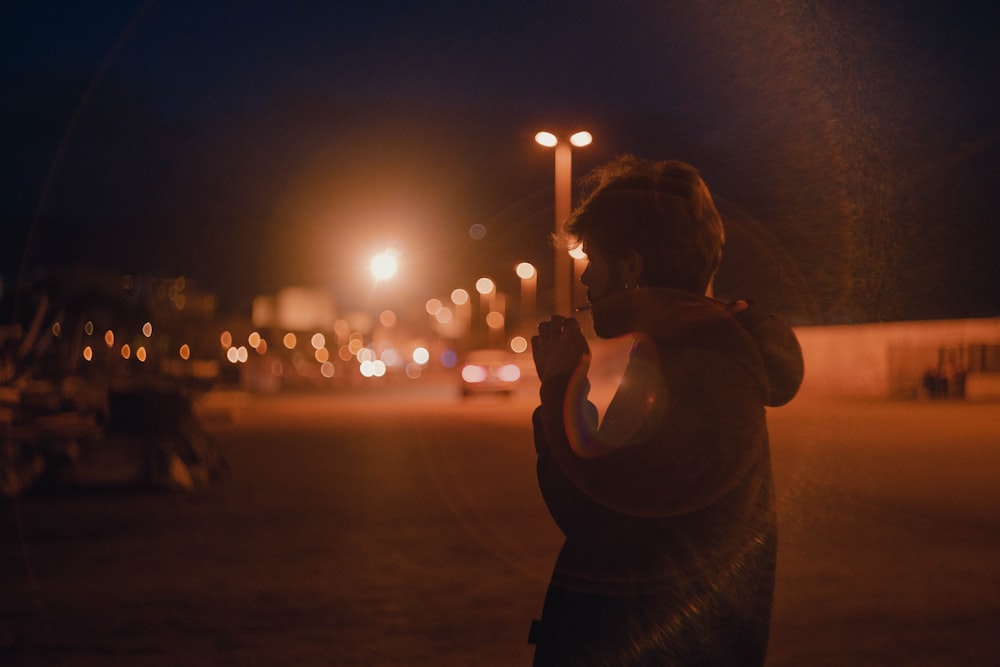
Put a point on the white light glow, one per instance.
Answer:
(546, 139)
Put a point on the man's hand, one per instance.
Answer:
(559, 347)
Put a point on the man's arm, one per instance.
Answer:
(710, 433)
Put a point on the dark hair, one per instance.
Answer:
(662, 210)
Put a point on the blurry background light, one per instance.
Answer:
(449, 358)
(88, 353)
(525, 270)
(421, 355)
(147, 329)
(384, 265)
(518, 344)
(109, 338)
(318, 340)
(140, 353)
(494, 320)
(477, 232)
(185, 352)
(226, 339)
(390, 357)
(581, 139)
(433, 306)
(355, 344)
(327, 370)
(126, 351)
(254, 339)
(484, 286)
(387, 318)
(289, 341)
(459, 297)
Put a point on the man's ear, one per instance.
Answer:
(631, 268)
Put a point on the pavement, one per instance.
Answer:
(405, 528)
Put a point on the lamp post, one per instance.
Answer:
(529, 281)
(487, 295)
(563, 204)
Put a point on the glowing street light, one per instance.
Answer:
(529, 285)
(564, 173)
(384, 265)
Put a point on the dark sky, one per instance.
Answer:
(250, 145)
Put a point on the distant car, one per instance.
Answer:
(489, 371)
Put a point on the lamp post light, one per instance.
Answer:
(529, 285)
(563, 204)
(487, 293)
(384, 265)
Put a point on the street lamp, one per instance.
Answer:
(529, 281)
(564, 174)
(383, 265)
(487, 295)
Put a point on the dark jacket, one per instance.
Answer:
(671, 539)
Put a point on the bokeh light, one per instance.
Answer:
(432, 306)
(525, 270)
(459, 297)
(449, 358)
(421, 355)
(494, 320)
(477, 232)
(384, 265)
(290, 341)
(226, 339)
(185, 352)
(387, 318)
(484, 286)
(518, 344)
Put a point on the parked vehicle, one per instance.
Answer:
(489, 371)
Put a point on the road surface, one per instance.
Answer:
(405, 528)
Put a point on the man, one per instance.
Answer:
(667, 505)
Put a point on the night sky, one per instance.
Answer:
(853, 146)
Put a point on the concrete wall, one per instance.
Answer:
(887, 360)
